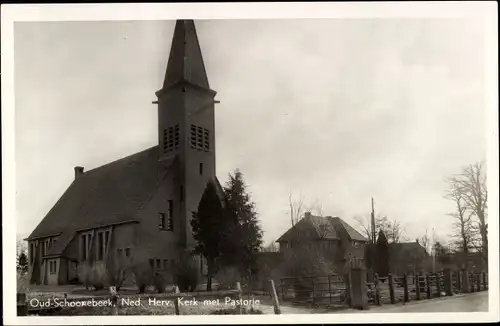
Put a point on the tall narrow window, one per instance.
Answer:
(201, 168)
(170, 221)
(158, 264)
(127, 252)
(162, 221)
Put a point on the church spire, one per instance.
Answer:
(185, 62)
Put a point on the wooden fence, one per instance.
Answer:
(393, 289)
(331, 289)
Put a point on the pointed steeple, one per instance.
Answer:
(185, 62)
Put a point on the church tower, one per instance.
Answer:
(186, 123)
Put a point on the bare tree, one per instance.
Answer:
(296, 208)
(463, 228)
(471, 184)
(391, 228)
(425, 241)
(315, 208)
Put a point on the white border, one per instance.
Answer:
(487, 11)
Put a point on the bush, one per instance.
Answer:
(85, 274)
(99, 275)
(118, 271)
(159, 283)
(186, 274)
(22, 283)
(227, 277)
(143, 275)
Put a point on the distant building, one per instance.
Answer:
(323, 234)
(140, 205)
(408, 257)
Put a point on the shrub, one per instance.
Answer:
(118, 270)
(99, 275)
(186, 274)
(159, 282)
(143, 275)
(85, 274)
(22, 283)
(227, 277)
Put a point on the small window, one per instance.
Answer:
(52, 266)
(165, 263)
(152, 263)
(127, 252)
(158, 264)
(162, 221)
(170, 222)
(201, 168)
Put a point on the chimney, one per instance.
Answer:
(307, 215)
(78, 171)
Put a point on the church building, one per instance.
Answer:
(139, 206)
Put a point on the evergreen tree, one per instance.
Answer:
(210, 229)
(382, 255)
(246, 233)
(22, 263)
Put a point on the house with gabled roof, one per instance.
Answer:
(324, 233)
(143, 202)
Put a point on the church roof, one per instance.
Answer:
(111, 194)
(320, 227)
(185, 62)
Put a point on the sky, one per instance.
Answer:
(334, 110)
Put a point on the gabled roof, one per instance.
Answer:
(321, 227)
(110, 194)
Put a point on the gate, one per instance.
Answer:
(318, 290)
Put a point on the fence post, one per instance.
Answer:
(276, 303)
(405, 287)
(22, 306)
(465, 281)
(282, 285)
(485, 283)
(438, 284)
(478, 281)
(240, 306)
(377, 290)
(448, 282)
(417, 286)
(114, 300)
(330, 289)
(428, 283)
(391, 288)
(312, 281)
(176, 301)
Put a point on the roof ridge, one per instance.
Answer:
(120, 159)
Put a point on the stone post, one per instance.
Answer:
(405, 287)
(417, 286)
(391, 288)
(448, 282)
(465, 281)
(357, 288)
(428, 283)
